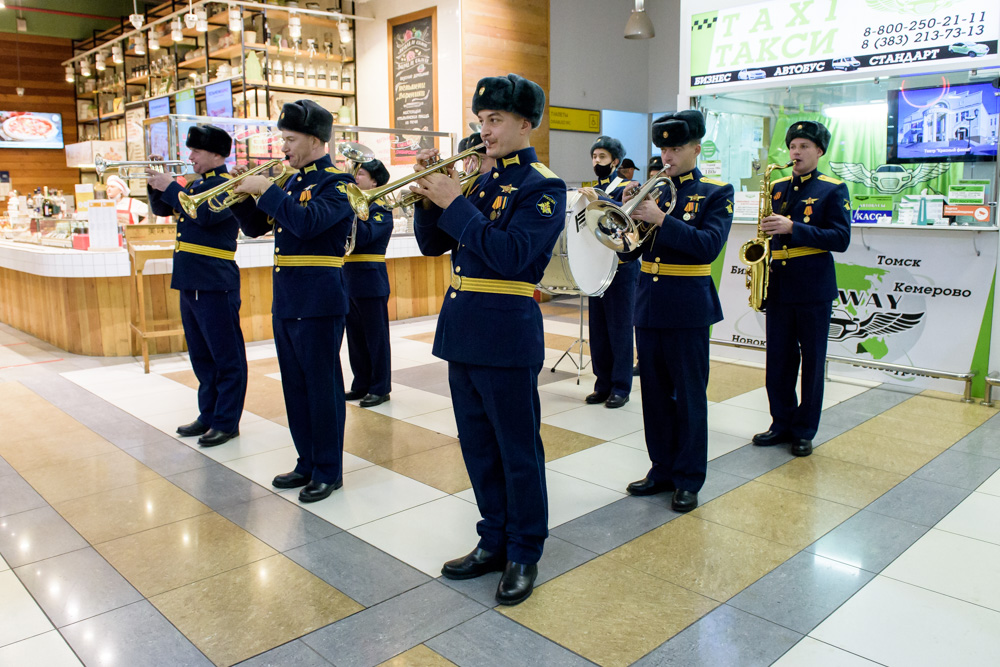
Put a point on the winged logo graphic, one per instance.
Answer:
(844, 326)
(888, 179)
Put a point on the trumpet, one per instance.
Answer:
(613, 224)
(190, 203)
(137, 169)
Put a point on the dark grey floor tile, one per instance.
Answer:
(726, 636)
(802, 591)
(170, 457)
(878, 400)
(36, 535)
(439, 388)
(750, 462)
(59, 391)
(546, 376)
(97, 415)
(76, 585)
(481, 589)
(613, 525)
(5, 468)
(966, 471)
(16, 495)
(279, 523)
(293, 653)
(378, 633)
(136, 635)
(981, 442)
(422, 376)
(493, 640)
(357, 569)
(217, 486)
(919, 501)
(131, 433)
(868, 540)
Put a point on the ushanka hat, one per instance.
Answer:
(510, 93)
(611, 145)
(811, 130)
(471, 141)
(307, 117)
(377, 171)
(209, 138)
(678, 128)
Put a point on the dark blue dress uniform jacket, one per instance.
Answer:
(613, 186)
(812, 277)
(370, 279)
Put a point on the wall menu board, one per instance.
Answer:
(413, 80)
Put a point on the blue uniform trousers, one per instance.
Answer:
(211, 321)
(673, 369)
(313, 385)
(499, 417)
(611, 319)
(796, 331)
(368, 344)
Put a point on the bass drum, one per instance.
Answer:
(580, 263)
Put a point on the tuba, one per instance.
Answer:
(756, 253)
(613, 224)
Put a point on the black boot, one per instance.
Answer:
(474, 564)
(517, 582)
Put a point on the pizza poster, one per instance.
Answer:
(412, 55)
(30, 129)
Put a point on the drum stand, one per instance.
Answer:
(581, 341)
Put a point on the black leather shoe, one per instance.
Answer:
(616, 401)
(371, 400)
(647, 487)
(318, 491)
(769, 438)
(192, 429)
(355, 395)
(517, 582)
(289, 480)
(684, 501)
(595, 398)
(213, 438)
(474, 564)
(635, 371)
(802, 447)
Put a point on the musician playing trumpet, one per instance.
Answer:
(206, 275)
(676, 304)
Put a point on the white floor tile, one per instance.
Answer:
(978, 516)
(636, 440)
(411, 402)
(169, 421)
(555, 403)
(426, 536)
(841, 391)
(894, 623)
(20, 617)
(992, 485)
(45, 650)
(610, 465)
(440, 421)
(752, 400)
(3, 565)
(255, 438)
(738, 421)
(569, 388)
(262, 468)
(570, 498)
(953, 565)
(399, 363)
(723, 443)
(597, 421)
(148, 405)
(812, 653)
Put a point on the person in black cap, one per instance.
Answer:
(676, 304)
(208, 279)
(311, 219)
(490, 328)
(627, 169)
(654, 166)
(367, 283)
(811, 219)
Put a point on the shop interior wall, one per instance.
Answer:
(45, 89)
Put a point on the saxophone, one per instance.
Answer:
(756, 253)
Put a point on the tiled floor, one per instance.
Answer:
(121, 544)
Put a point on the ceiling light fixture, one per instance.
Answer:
(140, 45)
(100, 59)
(136, 18)
(116, 53)
(176, 30)
(85, 68)
(639, 26)
(190, 19)
(202, 24)
(345, 32)
(235, 19)
(294, 28)
(70, 74)
(154, 41)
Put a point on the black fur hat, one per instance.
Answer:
(811, 130)
(377, 171)
(474, 139)
(510, 93)
(611, 145)
(678, 128)
(209, 138)
(307, 117)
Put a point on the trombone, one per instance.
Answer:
(137, 169)
(190, 203)
(613, 224)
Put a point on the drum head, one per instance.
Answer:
(592, 264)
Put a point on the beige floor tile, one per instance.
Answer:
(186, 378)
(728, 380)
(560, 442)
(927, 431)
(941, 407)
(171, 556)
(264, 366)
(441, 467)
(831, 479)
(112, 514)
(418, 656)
(775, 514)
(254, 608)
(561, 343)
(876, 450)
(75, 479)
(427, 337)
(705, 557)
(380, 439)
(610, 613)
(264, 397)
(66, 442)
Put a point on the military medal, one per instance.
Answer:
(687, 210)
(808, 212)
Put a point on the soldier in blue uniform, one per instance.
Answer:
(311, 219)
(611, 314)
(676, 304)
(812, 218)
(208, 279)
(490, 328)
(368, 290)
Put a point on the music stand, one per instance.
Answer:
(581, 341)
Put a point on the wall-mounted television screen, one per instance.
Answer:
(30, 129)
(947, 123)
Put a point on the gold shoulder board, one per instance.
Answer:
(830, 179)
(781, 180)
(226, 175)
(334, 170)
(706, 179)
(543, 170)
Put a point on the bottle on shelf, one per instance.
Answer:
(46, 203)
(300, 74)
(321, 76)
(289, 73)
(346, 79)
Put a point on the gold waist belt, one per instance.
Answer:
(491, 286)
(656, 268)
(205, 250)
(365, 258)
(308, 260)
(795, 252)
